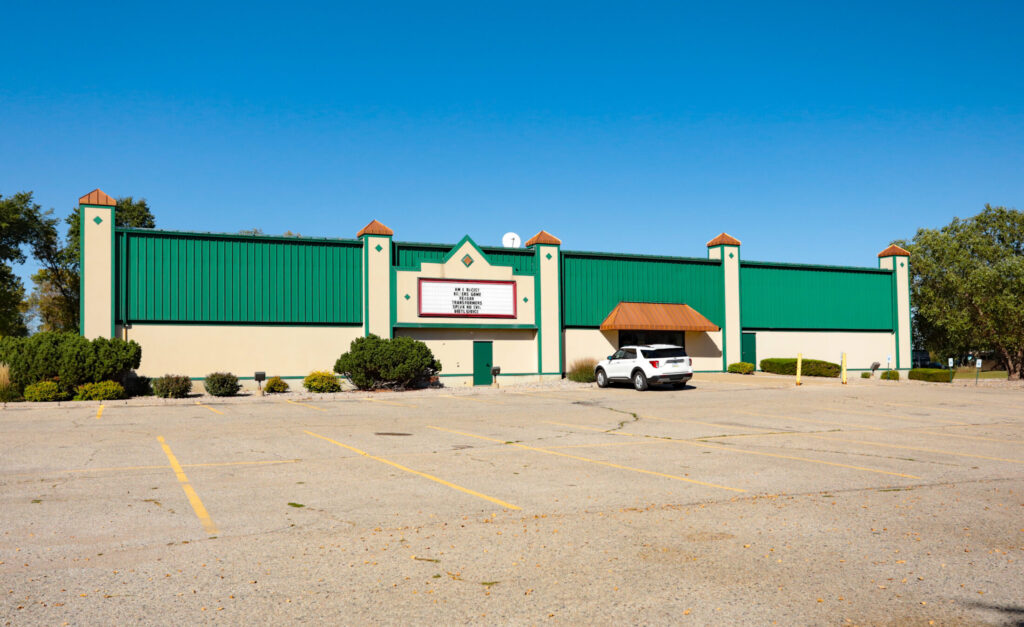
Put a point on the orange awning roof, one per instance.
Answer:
(656, 317)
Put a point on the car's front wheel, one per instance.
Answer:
(602, 378)
(639, 381)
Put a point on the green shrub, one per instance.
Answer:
(741, 367)
(68, 359)
(809, 368)
(135, 385)
(582, 370)
(275, 385)
(172, 386)
(322, 382)
(44, 392)
(937, 375)
(865, 375)
(891, 375)
(221, 384)
(102, 391)
(401, 362)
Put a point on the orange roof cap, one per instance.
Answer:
(97, 197)
(375, 228)
(894, 251)
(543, 238)
(656, 317)
(724, 240)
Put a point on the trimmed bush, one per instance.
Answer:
(135, 385)
(44, 392)
(322, 382)
(936, 375)
(810, 367)
(865, 375)
(221, 384)
(68, 359)
(102, 391)
(741, 367)
(172, 386)
(891, 375)
(275, 385)
(401, 362)
(582, 370)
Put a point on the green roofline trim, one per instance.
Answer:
(211, 235)
(809, 266)
(696, 260)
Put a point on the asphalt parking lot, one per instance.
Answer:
(739, 500)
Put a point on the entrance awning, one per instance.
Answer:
(656, 317)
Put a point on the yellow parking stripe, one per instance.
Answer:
(216, 411)
(307, 406)
(377, 400)
(99, 412)
(810, 420)
(749, 452)
(953, 411)
(592, 461)
(475, 400)
(193, 498)
(896, 416)
(914, 448)
(416, 472)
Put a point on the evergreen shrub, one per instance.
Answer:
(401, 362)
(891, 375)
(221, 384)
(936, 375)
(809, 368)
(44, 392)
(102, 391)
(275, 385)
(741, 367)
(321, 382)
(172, 386)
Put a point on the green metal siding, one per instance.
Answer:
(779, 296)
(192, 277)
(593, 284)
(407, 254)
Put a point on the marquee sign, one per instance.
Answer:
(455, 298)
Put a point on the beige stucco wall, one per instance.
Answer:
(378, 289)
(97, 289)
(515, 350)
(551, 317)
(861, 348)
(197, 350)
(406, 282)
(705, 349)
(732, 328)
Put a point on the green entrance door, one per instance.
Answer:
(748, 348)
(483, 357)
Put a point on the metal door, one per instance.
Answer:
(748, 348)
(483, 358)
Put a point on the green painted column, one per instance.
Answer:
(97, 265)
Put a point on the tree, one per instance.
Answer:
(967, 286)
(22, 224)
(54, 299)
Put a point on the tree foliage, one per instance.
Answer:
(967, 286)
(54, 299)
(23, 224)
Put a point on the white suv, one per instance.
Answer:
(643, 365)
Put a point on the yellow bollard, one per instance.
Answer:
(799, 366)
(844, 368)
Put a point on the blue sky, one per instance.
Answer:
(814, 132)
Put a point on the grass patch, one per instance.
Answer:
(296, 505)
(582, 370)
(968, 373)
(489, 583)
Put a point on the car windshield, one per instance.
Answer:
(664, 353)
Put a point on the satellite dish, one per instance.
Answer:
(510, 240)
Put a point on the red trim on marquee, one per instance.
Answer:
(419, 299)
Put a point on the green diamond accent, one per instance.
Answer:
(901, 264)
(467, 261)
(549, 255)
(379, 248)
(731, 255)
(407, 297)
(525, 299)
(97, 220)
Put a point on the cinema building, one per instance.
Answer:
(205, 302)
